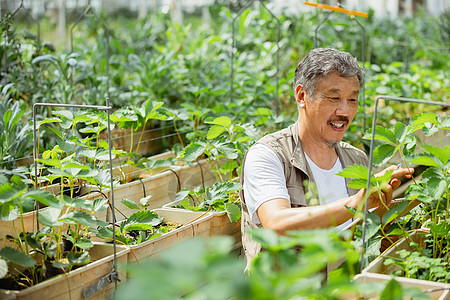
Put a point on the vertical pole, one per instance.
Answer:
(35, 165)
(108, 112)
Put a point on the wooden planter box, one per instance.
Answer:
(376, 270)
(434, 288)
(221, 224)
(195, 224)
(161, 187)
(29, 218)
(72, 285)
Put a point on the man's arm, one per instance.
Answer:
(277, 214)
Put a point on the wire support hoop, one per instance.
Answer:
(372, 142)
(112, 277)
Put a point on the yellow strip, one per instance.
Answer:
(338, 9)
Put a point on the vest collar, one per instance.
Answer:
(298, 158)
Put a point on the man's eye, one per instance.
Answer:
(334, 98)
(353, 100)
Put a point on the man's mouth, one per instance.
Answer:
(338, 124)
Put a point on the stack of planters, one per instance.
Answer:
(67, 245)
(419, 252)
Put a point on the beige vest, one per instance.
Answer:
(288, 147)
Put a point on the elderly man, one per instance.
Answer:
(326, 86)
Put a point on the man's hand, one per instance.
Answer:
(383, 198)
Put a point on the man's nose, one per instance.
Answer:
(343, 109)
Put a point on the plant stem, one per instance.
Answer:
(178, 133)
(406, 164)
(140, 137)
(23, 228)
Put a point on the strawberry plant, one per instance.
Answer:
(431, 190)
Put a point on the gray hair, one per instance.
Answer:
(319, 62)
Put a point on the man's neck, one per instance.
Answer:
(318, 151)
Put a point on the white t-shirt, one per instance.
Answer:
(264, 180)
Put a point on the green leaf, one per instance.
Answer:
(48, 120)
(233, 212)
(383, 154)
(400, 132)
(222, 121)
(50, 217)
(435, 181)
(419, 121)
(9, 211)
(100, 204)
(262, 111)
(424, 160)
(82, 218)
(381, 134)
(215, 131)
(60, 264)
(84, 243)
(3, 268)
(354, 171)
(51, 162)
(64, 114)
(394, 212)
(392, 291)
(192, 151)
(141, 220)
(17, 257)
(129, 204)
(45, 198)
(443, 154)
(228, 150)
(78, 259)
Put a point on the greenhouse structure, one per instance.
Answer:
(224, 149)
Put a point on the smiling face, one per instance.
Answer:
(326, 115)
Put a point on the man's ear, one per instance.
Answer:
(300, 95)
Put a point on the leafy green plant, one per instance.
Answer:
(48, 248)
(214, 198)
(431, 190)
(223, 148)
(15, 136)
(139, 227)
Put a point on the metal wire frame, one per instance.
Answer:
(233, 44)
(108, 110)
(372, 141)
(363, 57)
(107, 35)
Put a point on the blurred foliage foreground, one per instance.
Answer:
(206, 269)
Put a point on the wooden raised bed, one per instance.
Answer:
(72, 284)
(378, 271)
(161, 187)
(29, 218)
